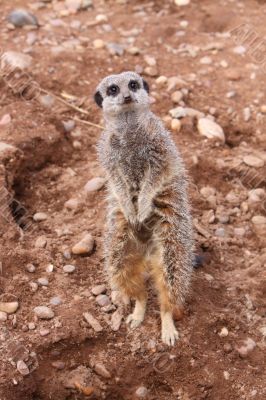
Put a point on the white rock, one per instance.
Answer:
(40, 216)
(3, 316)
(210, 129)
(13, 59)
(98, 44)
(69, 268)
(224, 332)
(116, 320)
(93, 322)
(176, 96)
(22, 368)
(43, 312)
(150, 60)
(101, 370)
(43, 281)
(85, 246)
(247, 347)
(9, 307)
(142, 391)
(175, 125)
(99, 289)
(5, 120)
(30, 268)
(256, 195)
(206, 60)
(94, 184)
(55, 301)
(72, 204)
(103, 300)
(259, 220)
(253, 161)
(207, 191)
(161, 81)
(182, 2)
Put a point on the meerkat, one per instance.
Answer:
(149, 227)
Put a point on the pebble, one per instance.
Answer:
(247, 347)
(41, 242)
(259, 220)
(253, 161)
(246, 114)
(227, 348)
(161, 81)
(72, 204)
(22, 368)
(210, 129)
(233, 75)
(176, 96)
(5, 120)
(21, 17)
(94, 184)
(49, 269)
(220, 232)
(30, 268)
(178, 112)
(31, 326)
(256, 195)
(182, 2)
(84, 246)
(226, 375)
(46, 100)
(44, 332)
(93, 322)
(40, 216)
(116, 320)
(43, 281)
(9, 307)
(115, 49)
(134, 51)
(101, 370)
(43, 312)
(206, 60)
(69, 125)
(55, 301)
(224, 332)
(263, 109)
(151, 71)
(33, 286)
(14, 59)
(103, 300)
(98, 44)
(240, 232)
(150, 60)
(207, 191)
(99, 289)
(175, 125)
(69, 268)
(142, 391)
(3, 316)
(58, 365)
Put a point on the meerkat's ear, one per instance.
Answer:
(98, 99)
(146, 86)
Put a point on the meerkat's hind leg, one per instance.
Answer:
(169, 332)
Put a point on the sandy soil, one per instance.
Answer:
(48, 165)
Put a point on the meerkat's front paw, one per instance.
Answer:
(134, 320)
(169, 332)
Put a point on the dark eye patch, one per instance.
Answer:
(133, 85)
(113, 90)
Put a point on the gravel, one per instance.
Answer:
(43, 312)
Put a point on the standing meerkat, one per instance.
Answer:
(149, 226)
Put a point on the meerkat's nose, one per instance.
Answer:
(127, 99)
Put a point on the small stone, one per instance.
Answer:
(247, 347)
(14, 59)
(227, 348)
(151, 71)
(72, 204)
(22, 368)
(178, 112)
(98, 44)
(69, 268)
(31, 326)
(43, 281)
(161, 81)
(58, 365)
(207, 191)
(46, 100)
(101, 18)
(43, 312)
(175, 125)
(181, 3)
(49, 269)
(253, 161)
(150, 60)
(224, 332)
(44, 332)
(177, 96)
(69, 125)
(259, 220)
(239, 232)
(256, 195)
(239, 50)
(85, 246)
(226, 375)
(103, 300)
(99, 289)
(116, 320)
(220, 232)
(55, 301)
(5, 120)
(33, 286)
(115, 49)
(9, 307)
(233, 75)
(246, 114)
(40, 216)
(142, 391)
(263, 109)
(206, 60)
(101, 370)
(30, 268)
(3, 316)
(134, 51)
(210, 129)
(93, 322)
(94, 184)
(21, 17)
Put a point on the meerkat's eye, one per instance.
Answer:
(113, 90)
(133, 85)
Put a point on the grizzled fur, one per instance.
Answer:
(149, 225)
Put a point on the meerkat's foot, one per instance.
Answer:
(169, 332)
(136, 318)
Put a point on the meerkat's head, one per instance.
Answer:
(125, 92)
